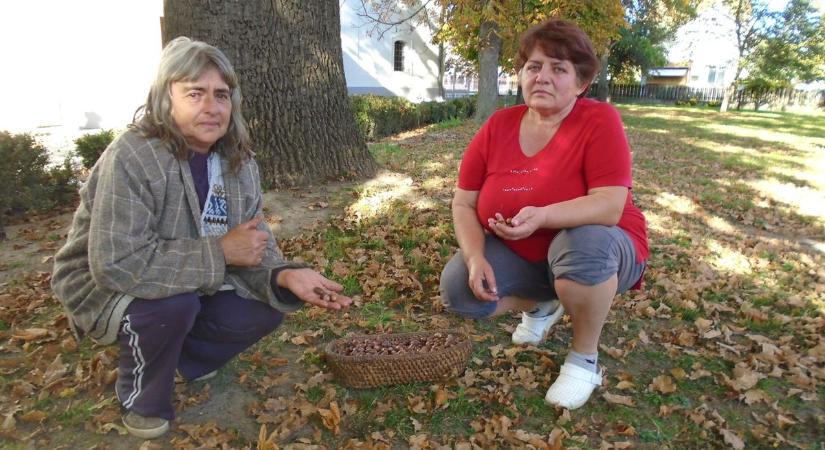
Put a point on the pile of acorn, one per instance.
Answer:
(382, 346)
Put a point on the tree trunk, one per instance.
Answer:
(488, 54)
(603, 89)
(726, 97)
(287, 54)
(441, 53)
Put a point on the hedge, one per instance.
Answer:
(26, 180)
(378, 116)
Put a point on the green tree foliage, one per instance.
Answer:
(651, 23)
(600, 19)
(473, 27)
(793, 51)
(89, 147)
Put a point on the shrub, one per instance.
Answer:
(377, 116)
(25, 181)
(90, 146)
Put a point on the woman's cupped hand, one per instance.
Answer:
(520, 226)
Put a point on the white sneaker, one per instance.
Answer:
(206, 376)
(533, 330)
(145, 427)
(573, 387)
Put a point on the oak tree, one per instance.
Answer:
(288, 57)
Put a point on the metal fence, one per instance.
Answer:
(663, 93)
(656, 93)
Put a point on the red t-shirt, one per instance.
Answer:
(589, 150)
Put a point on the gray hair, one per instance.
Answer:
(184, 59)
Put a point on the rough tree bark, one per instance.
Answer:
(602, 86)
(488, 54)
(288, 57)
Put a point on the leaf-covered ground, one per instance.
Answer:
(722, 348)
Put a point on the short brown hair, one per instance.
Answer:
(561, 39)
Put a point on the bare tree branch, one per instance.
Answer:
(380, 23)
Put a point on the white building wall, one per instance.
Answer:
(708, 45)
(89, 63)
(368, 60)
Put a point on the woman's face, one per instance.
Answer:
(548, 84)
(201, 109)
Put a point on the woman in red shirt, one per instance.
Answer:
(543, 213)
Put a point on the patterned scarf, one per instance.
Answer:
(214, 219)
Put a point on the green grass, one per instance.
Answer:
(458, 414)
(314, 394)
(447, 124)
(725, 198)
(76, 414)
(376, 314)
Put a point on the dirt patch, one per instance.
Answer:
(32, 241)
(292, 212)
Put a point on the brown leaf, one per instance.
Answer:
(440, 397)
(732, 439)
(618, 399)
(564, 418)
(55, 370)
(626, 430)
(625, 385)
(331, 417)
(33, 416)
(556, 438)
(678, 373)
(615, 353)
(755, 395)
(663, 384)
(783, 421)
(743, 378)
(643, 337)
(30, 334)
(703, 324)
(416, 424)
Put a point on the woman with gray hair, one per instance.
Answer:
(167, 254)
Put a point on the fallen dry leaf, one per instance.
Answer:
(732, 439)
(30, 334)
(619, 399)
(440, 397)
(663, 384)
(331, 417)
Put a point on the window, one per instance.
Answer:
(711, 74)
(398, 56)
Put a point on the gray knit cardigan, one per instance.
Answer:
(135, 235)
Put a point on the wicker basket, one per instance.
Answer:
(366, 371)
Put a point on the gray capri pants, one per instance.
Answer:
(589, 255)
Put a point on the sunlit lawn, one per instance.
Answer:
(724, 344)
(723, 347)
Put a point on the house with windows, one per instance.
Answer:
(703, 53)
(398, 60)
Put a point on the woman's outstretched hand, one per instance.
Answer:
(314, 288)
